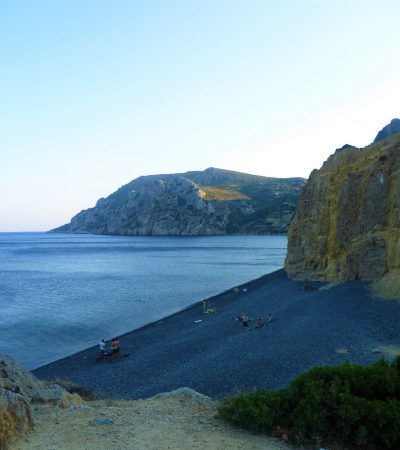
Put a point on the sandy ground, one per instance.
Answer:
(175, 422)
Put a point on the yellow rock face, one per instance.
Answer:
(347, 223)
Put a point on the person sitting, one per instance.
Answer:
(115, 348)
(260, 323)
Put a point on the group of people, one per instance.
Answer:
(245, 319)
(115, 349)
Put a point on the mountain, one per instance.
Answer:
(347, 223)
(209, 202)
(389, 130)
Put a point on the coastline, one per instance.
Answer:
(213, 355)
(197, 304)
(96, 287)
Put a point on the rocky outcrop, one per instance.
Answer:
(19, 389)
(389, 130)
(347, 224)
(212, 202)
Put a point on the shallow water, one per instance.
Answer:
(60, 293)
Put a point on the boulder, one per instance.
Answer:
(19, 389)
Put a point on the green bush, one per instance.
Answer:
(346, 405)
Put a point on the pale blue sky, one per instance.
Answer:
(96, 93)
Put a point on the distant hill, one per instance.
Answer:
(209, 202)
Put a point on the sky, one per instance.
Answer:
(94, 93)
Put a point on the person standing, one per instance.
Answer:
(102, 348)
(245, 319)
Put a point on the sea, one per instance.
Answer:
(61, 293)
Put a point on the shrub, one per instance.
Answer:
(348, 405)
(84, 391)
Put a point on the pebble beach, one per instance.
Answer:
(212, 354)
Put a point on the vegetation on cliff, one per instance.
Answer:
(211, 202)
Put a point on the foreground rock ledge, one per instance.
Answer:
(38, 415)
(179, 420)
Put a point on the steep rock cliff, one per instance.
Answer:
(212, 202)
(347, 223)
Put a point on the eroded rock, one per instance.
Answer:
(347, 223)
(18, 390)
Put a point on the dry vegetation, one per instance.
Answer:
(223, 194)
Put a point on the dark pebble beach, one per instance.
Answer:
(212, 354)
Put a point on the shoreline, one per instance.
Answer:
(192, 305)
(211, 353)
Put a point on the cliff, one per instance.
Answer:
(211, 202)
(346, 226)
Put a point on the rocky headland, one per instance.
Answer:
(210, 202)
(347, 223)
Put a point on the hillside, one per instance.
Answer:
(347, 224)
(209, 202)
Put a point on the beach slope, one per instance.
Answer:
(212, 354)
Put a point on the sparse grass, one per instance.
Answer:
(223, 194)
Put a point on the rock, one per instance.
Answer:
(212, 202)
(18, 390)
(55, 395)
(186, 393)
(17, 386)
(15, 415)
(388, 130)
(347, 223)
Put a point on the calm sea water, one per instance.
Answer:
(60, 293)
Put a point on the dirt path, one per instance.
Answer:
(176, 422)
